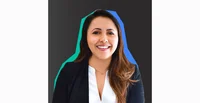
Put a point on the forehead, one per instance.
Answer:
(102, 22)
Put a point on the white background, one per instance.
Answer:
(24, 51)
(176, 51)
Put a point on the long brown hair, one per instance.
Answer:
(120, 69)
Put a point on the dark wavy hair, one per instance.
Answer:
(120, 69)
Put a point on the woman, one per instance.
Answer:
(102, 70)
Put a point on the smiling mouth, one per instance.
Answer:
(103, 48)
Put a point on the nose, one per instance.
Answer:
(103, 38)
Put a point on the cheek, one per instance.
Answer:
(115, 41)
(91, 40)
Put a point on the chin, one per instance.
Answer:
(104, 57)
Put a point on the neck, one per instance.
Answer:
(99, 64)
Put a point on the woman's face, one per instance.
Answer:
(102, 37)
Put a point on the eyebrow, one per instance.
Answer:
(109, 29)
(100, 29)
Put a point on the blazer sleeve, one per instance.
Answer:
(60, 94)
(136, 91)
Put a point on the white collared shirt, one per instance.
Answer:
(108, 95)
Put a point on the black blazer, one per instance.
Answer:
(73, 87)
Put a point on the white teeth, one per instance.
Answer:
(103, 47)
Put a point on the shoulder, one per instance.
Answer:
(136, 75)
(71, 68)
(69, 71)
(136, 90)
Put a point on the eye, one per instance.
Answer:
(110, 33)
(96, 32)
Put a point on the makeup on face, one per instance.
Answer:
(102, 37)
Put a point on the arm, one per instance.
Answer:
(136, 91)
(60, 94)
